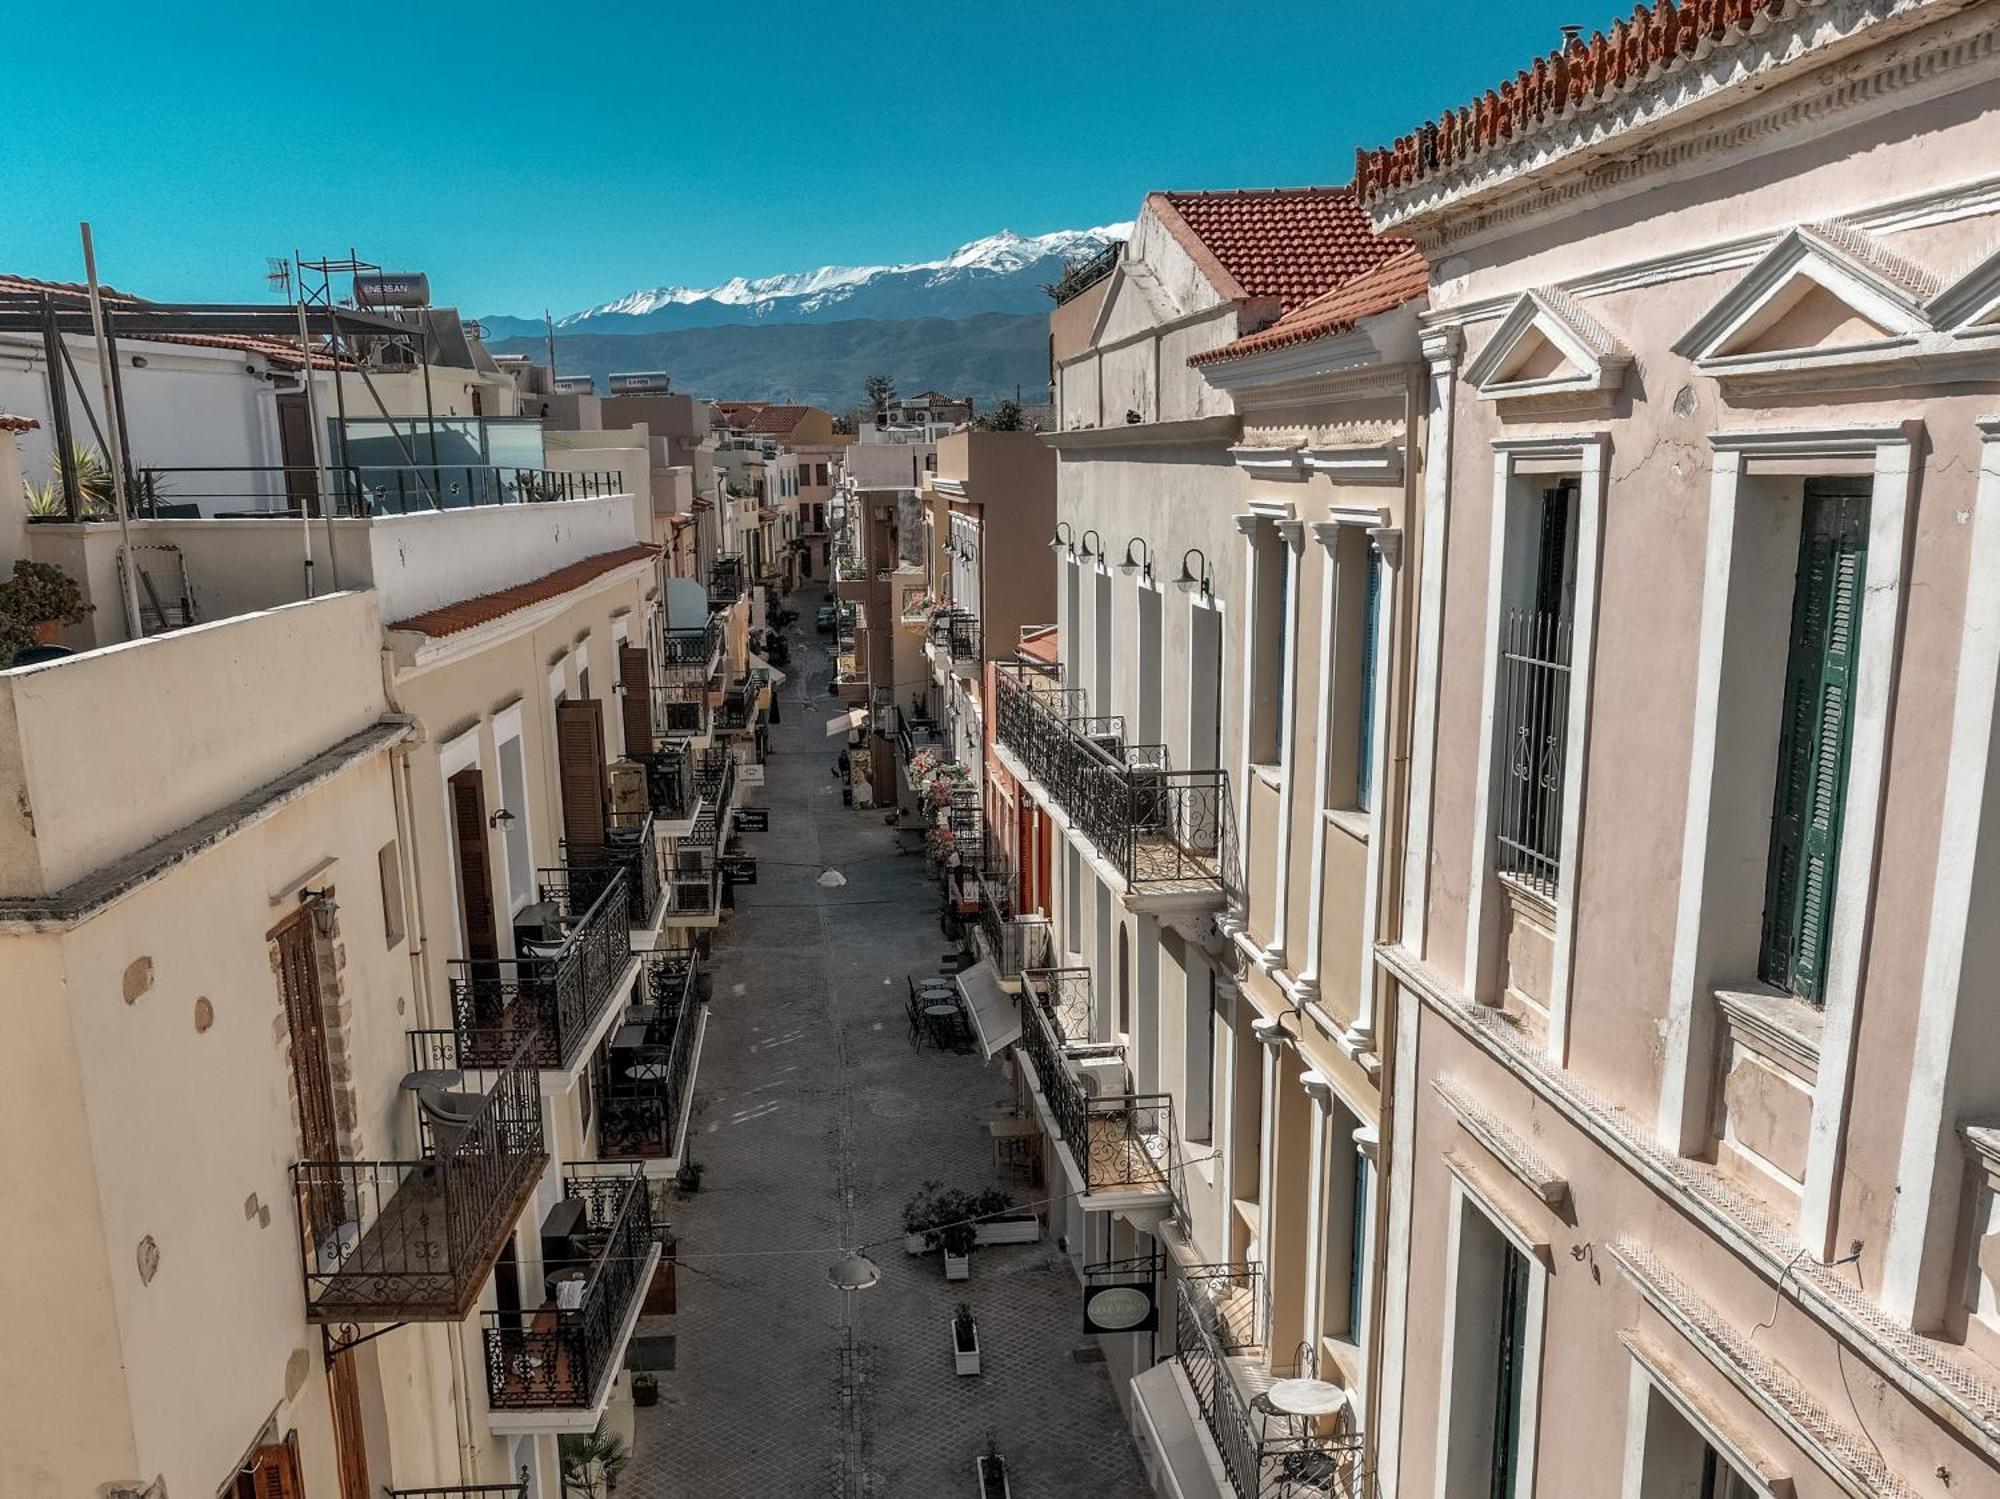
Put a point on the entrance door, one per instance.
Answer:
(295, 451)
(350, 1448)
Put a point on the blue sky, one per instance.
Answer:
(540, 154)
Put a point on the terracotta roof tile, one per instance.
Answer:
(777, 419)
(11, 423)
(1577, 76)
(1287, 243)
(1404, 275)
(464, 615)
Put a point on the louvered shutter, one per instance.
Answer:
(580, 758)
(475, 872)
(1811, 793)
(635, 676)
(273, 1473)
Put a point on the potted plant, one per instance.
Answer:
(645, 1388)
(35, 603)
(591, 1462)
(957, 1239)
(1000, 1222)
(688, 1177)
(964, 1340)
(919, 1214)
(991, 1469)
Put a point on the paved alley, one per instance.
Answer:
(815, 1122)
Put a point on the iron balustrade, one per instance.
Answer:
(631, 847)
(559, 1357)
(1534, 718)
(1156, 826)
(1219, 1314)
(641, 1115)
(466, 1491)
(1121, 1141)
(415, 1240)
(670, 782)
(548, 1004)
(693, 650)
(958, 633)
(725, 580)
(1079, 276)
(359, 491)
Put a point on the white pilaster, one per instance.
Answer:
(1293, 534)
(1232, 921)
(1306, 990)
(1320, 1091)
(1388, 545)
(1442, 348)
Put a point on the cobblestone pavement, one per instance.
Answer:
(816, 1122)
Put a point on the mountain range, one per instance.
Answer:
(972, 322)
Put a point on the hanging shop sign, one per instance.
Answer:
(753, 819)
(1120, 1306)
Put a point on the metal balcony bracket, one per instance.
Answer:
(348, 1335)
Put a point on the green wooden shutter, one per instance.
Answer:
(1811, 792)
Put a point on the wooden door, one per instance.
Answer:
(295, 451)
(312, 1068)
(350, 1447)
(475, 871)
(635, 675)
(580, 761)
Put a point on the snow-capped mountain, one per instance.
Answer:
(1003, 272)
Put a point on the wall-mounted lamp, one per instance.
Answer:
(500, 819)
(1189, 580)
(1143, 557)
(1086, 551)
(323, 908)
(1062, 538)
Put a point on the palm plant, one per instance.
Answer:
(592, 1464)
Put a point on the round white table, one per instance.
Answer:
(941, 1011)
(647, 1072)
(1306, 1397)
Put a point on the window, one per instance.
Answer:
(1364, 718)
(1198, 1089)
(1534, 695)
(1492, 1356)
(1508, 1379)
(514, 800)
(1814, 734)
(1268, 648)
(1357, 1247)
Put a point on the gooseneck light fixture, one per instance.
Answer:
(1063, 537)
(1138, 554)
(1086, 551)
(1189, 580)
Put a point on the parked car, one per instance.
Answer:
(824, 618)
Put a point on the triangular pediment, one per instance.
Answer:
(1823, 289)
(1548, 348)
(1972, 301)
(1135, 304)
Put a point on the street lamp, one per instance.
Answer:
(1087, 553)
(1062, 538)
(1144, 558)
(1189, 581)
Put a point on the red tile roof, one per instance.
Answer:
(777, 419)
(487, 607)
(11, 423)
(1287, 243)
(1575, 76)
(1403, 275)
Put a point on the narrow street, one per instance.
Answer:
(816, 1121)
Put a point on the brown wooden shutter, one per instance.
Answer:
(635, 673)
(475, 873)
(580, 757)
(272, 1473)
(350, 1445)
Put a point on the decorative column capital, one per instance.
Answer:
(1293, 532)
(1388, 541)
(1441, 347)
(1248, 524)
(1318, 1088)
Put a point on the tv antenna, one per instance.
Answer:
(278, 276)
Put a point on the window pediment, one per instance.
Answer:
(1548, 354)
(1830, 305)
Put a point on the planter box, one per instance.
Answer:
(991, 1486)
(1026, 1229)
(964, 1361)
(957, 1266)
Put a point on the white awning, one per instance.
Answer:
(996, 1015)
(845, 723)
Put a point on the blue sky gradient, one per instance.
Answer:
(560, 155)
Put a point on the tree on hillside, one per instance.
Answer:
(1006, 417)
(881, 391)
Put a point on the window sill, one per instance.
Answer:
(1778, 1026)
(1271, 775)
(1351, 821)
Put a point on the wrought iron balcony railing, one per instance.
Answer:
(646, 1086)
(515, 1490)
(670, 782)
(414, 1241)
(913, 734)
(1220, 1314)
(548, 1003)
(725, 580)
(1161, 829)
(1121, 1141)
(690, 651)
(1079, 276)
(561, 1355)
(958, 633)
(630, 847)
(1011, 943)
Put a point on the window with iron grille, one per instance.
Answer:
(1534, 699)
